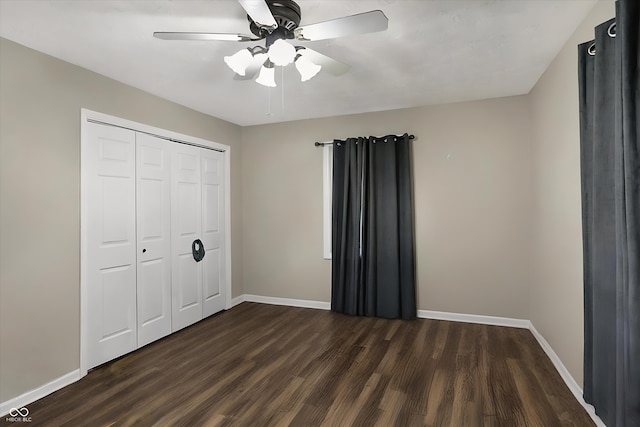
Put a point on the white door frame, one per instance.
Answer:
(85, 117)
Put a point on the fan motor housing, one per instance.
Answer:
(287, 15)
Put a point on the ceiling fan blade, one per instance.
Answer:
(368, 22)
(204, 36)
(329, 65)
(254, 67)
(259, 12)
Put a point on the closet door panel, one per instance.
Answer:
(116, 314)
(111, 243)
(213, 231)
(188, 281)
(186, 226)
(153, 180)
(212, 282)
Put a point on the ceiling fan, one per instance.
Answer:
(276, 21)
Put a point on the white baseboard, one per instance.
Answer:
(474, 318)
(321, 305)
(237, 300)
(31, 396)
(425, 314)
(566, 376)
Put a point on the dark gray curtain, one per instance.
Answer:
(373, 257)
(610, 164)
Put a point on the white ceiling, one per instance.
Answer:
(435, 51)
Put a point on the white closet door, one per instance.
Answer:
(186, 226)
(111, 243)
(213, 265)
(153, 184)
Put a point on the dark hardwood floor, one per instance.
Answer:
(266, 365)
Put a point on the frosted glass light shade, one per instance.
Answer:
(306, 68)
(267, 77)
(282, 53)
(239, 61)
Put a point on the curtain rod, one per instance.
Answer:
(322, 144)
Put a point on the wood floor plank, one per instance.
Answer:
(266, 365)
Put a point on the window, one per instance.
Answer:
(327, 182)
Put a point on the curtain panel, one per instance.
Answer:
(610, 174)
(373, 256)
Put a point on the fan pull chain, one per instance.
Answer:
(268, 113)
(282, 85)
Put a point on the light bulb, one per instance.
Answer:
(282, 53)
(306, 68)
(239, 61)
(267, 77)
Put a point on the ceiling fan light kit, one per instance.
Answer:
(267, 75)
(239, 61)
(282, 53)
(276, 21)
(306, 68)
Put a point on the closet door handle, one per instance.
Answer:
(197, 248)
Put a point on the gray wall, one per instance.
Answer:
(472, 204)
(40, 106)
(556, 293)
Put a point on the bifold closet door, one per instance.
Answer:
(197, 213)
(147, 201)
(213, 265)
(111, 243)
(186, 227)
(153, 217)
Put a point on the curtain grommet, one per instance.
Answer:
(612, 30)
(592, 49)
